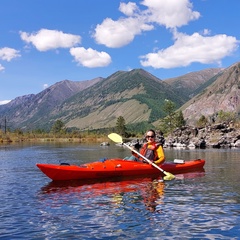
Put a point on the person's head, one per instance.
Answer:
(150, 135)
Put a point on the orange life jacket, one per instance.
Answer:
(150, 153)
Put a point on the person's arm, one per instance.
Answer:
(135, 154)
(161, 155)
(141, 152)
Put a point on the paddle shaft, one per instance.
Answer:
(139, 154)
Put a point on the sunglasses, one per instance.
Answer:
(149, 136)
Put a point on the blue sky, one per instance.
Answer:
(46, 41)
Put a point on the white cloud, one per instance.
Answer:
(189, 49)
(1, 68)
(46, 39)
(90, 58)
(169, 13)
(128, 8)
(4, 102)
(115, 34)
(8, 54)
(138, 18)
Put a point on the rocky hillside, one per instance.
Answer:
(223, 94)
(192, 83)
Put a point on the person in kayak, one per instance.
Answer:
(152, 150)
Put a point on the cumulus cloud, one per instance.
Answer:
(138, 18)
(116, 34)
(170, 14)
(189, 49)
(128, 8)
(8, 54)
(46, 39)
(90, 58)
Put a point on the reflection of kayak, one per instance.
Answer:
(110, 185)
(115, 168)
(99, 187)
(144, 189)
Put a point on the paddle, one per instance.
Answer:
(118, 139)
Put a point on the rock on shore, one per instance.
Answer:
(220, 135)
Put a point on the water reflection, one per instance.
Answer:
(149, 190)
(153, 195)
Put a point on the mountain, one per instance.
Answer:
(137, 95)
(222, 94)
(27, 111)
(192, 83)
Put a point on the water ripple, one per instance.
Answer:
(194, 206)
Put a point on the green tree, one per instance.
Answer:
(173, 119)
(169, 108)
(120, 126)
(179, 120)
(58, 127)
(167, 123)
(226, 116)
(202, 121)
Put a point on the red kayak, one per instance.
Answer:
(115, 168)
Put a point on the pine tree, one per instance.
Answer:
(120, 126)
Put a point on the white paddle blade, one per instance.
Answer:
(115, 137)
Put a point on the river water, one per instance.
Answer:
(200, 205)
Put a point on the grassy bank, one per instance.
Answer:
(48, 137)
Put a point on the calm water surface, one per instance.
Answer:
(202, 205)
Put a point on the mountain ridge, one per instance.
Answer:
(121, 91)
(137, 95)
(222, 95)
(191, 83)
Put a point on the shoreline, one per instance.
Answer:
(90, 139)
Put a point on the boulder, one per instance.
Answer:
(219, 135)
